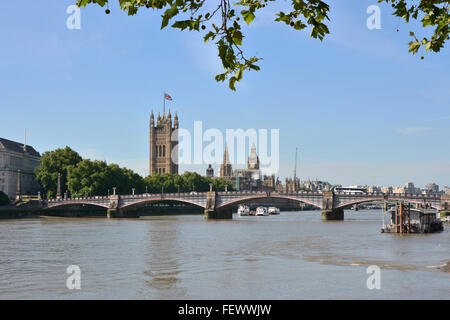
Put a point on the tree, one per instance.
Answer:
(4, 199)
(54, 163)
(223, 23)
(97, 178)
(188, 181)
(220, 183)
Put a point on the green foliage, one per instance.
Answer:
(85, 177)
(96, 178)
(223, 23)
(188, 181)
(52, 163)
(4, 199)
(432, 13)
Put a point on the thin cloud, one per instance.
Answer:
(413, 130)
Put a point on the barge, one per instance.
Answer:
(407, 220)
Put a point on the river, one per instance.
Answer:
(291, 256)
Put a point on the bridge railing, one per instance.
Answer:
(245, 192)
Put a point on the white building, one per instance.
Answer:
(16, 157)
(431, 188)
(410, 188)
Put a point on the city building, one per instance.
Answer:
(431, 188)
(410, 188)
(243, 179)
(210, 172)
(398, 190)
(253, 159)
(269, 183)
(226, 171)
(163, 151)
(17, 164)
(250, 178)
(373, 189)
(315, 185)
(292, 185)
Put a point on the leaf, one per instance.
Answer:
(248, 16)
(168, 14)
(414, 46)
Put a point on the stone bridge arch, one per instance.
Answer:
(233, 202)
(131, 205)
(74, 203)
(389, 199)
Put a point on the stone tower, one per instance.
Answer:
(210, 172)
(225, 168)
(163, 144)
(253, 159)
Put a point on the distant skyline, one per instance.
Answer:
(360, 108)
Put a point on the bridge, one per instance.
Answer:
(219, 205)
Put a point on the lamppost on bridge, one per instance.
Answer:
(146, 189)
(178, 189)
(210, 187)
(132, 191)
(114, 191)
(226, 188)
(162, 189)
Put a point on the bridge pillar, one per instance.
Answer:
(335, 214)
(211, 212)
(114, 213)
(120, 213)
(445, 205)
(114, 210)
(328, 212)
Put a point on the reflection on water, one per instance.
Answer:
(291, 256)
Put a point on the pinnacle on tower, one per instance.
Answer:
(225, 155)
(175, 121)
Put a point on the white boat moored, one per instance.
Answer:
(273, 210)
(243, 211)
(261, 211)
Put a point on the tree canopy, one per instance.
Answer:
(223, 23)
(85, 177)
(98, 178)
(54, 163)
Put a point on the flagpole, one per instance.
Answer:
(164, 102)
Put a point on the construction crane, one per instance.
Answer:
(295, 164)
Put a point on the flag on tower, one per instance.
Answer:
(167, 97)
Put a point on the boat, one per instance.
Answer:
(261, 211)
(273, 211)
(407, 220)
(243, 211)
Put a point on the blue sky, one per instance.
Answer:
(361, 109)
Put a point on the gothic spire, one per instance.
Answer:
(226, 159)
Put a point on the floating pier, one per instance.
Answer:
(404, 219)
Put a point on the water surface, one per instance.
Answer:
(291, 256)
